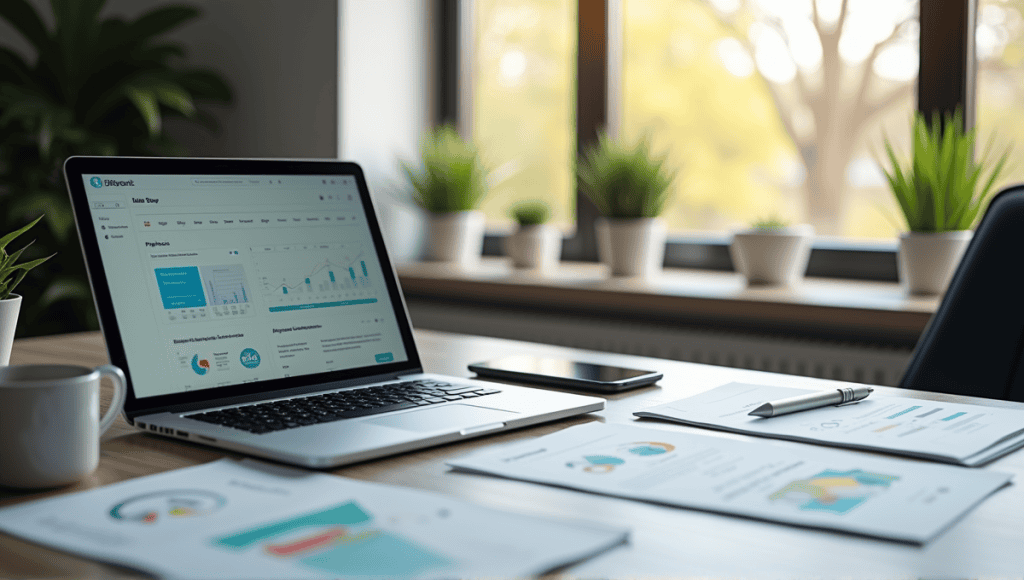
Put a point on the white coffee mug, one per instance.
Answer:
(50, 424)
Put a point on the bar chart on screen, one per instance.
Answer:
(308, 276)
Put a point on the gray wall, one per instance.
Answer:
(281, 59)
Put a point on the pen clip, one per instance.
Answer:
(849, 403)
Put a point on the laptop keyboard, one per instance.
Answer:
(290, 413)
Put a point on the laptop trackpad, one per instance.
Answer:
(449, 417)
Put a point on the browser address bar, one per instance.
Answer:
(220, 181)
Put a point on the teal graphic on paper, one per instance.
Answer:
(341, 541)
(835, 492)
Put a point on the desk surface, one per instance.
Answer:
(666, 542)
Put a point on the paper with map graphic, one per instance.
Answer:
(776, 481)
(936, 430)
(248, 519)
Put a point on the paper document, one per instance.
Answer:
(948, 432)
(253, 520)
(782, 482)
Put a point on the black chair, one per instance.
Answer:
(973, 344)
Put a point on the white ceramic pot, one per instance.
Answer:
(772, 257)
(536, 247)
(456, 238)
(9, 310)
(631, 247)
(927, 260)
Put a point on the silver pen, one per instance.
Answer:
(811, 401)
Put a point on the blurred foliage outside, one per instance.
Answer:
(523, 113)
(92, 86)
(708, 81)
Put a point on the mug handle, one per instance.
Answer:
(120, 389)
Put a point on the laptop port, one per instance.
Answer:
(182, 434)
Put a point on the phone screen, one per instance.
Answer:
(569, 369)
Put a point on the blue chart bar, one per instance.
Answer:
(904, 411)
(352, 273)
(285, 289)
(331, 275)
(365, 273)
(322, 305)
(954, 416)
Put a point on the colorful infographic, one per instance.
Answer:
(606, 463)
(175, 503)
(833, 491)
(342, 540)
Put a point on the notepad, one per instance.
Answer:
(938, 431)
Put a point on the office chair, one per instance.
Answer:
(973, 344)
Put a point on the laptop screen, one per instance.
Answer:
(221, 280)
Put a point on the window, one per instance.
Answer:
(523, 107)
(1000, 48)
(769, 107)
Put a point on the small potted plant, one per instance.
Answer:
(629, 185)
(11, 274)
(449, 186)
(535, 244)
(772, 252)
(941, 193)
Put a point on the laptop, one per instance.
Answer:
(252, 306)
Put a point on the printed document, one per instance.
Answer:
(227, 519)
(782, 482)
(940, 431)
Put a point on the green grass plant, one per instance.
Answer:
(531, 213)
(11, 272)
(943, 188)
(770, 224)
(451, 177)
(625, 181)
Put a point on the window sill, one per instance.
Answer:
(879, 313)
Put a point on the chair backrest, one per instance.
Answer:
(973, 343)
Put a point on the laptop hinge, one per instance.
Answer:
(265, 395)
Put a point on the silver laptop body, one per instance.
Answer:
(252, 305)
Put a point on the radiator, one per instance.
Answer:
(781, 354)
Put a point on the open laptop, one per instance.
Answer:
(252, 306)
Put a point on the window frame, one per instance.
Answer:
(946, 81)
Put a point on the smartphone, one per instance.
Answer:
(565, 373)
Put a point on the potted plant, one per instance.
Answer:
(772, 251)
(941, 193)
(449, 186)
(629, 185)
(535, 244)
(11, 274)
(77, 79)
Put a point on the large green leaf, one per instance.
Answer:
(24, 18)
(77, 34)
(7, 239)
(161, 20)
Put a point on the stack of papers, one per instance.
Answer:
(947, 432)
(251, 520)
(781, 482)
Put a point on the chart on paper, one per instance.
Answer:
(305, 276)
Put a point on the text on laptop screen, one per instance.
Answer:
(223, 280)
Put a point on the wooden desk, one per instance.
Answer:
(666, 542)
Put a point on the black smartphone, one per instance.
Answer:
(565, 373)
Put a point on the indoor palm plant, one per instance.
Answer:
(630, 186)
(97, 86)
(772, 251)
(535, 244)
(449, 184)
(941, 193)
(12, 272)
